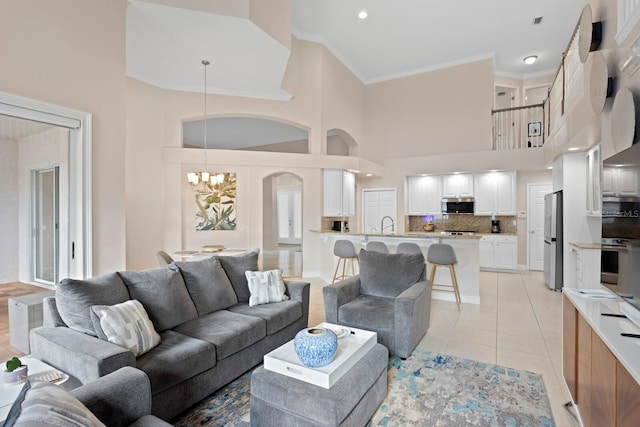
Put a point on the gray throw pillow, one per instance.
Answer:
(208, 285)
(163, 294)
(44, 404)
(74, 299)
(235, 267)
(388, 275)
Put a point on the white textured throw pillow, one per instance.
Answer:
(127, 325)
(265, 287)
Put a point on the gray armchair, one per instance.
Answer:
(390, 296)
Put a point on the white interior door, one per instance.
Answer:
(290, 217)
(45, 225)
(378, 203)
(535, 224)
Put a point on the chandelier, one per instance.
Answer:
(204, 182)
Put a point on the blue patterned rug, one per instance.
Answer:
(427, 389)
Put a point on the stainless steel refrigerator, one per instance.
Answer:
(553, 240)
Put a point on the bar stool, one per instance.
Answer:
(377, 247)
(443, 254)
(408, 248)
(344, 250)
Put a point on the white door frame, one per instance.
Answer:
(79, 124)
(530, 187)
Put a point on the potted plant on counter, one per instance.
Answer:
(15, 372)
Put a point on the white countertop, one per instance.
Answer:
(590, 304)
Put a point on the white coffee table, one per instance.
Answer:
(351, 348)
(9, 392)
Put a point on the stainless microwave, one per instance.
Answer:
(457, 205)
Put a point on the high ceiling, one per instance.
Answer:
(405, 37)
(165, 44)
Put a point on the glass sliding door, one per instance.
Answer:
(45, 225)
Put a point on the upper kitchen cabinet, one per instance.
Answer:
(594, 195)
(339, 193)
(620, 182)
(495, 193)
(457, 185)
(424, 195)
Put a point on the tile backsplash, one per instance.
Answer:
(479, 224)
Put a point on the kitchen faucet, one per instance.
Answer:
(382, 227)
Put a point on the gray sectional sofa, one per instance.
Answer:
(209, 333)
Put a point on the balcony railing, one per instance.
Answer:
(518, 127)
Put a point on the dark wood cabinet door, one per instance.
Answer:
(603, 384)
(583, 372)
(628, 401)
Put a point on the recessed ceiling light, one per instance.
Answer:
(369, 174)
(363, 14)
(573, 148)
(530, 59)
(549, 167)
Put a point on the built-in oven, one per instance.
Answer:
(610, 261)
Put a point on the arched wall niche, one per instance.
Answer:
(341, 143)
(246, 132)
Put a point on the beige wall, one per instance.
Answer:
(72, 53)
(438, 112)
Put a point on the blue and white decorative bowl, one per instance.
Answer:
(315, 347)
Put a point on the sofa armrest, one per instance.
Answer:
(299, 291)
(339, 294)
(119, 398)
(412, 315)
(50, 315)
(79, 355)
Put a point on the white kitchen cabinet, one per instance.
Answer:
(339, 193)
(499, 252)
(587, 266)
(495, 193)
(457, 185)
(594, 192)
(620, 182)
(424, 195)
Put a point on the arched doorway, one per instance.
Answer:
(282, 223)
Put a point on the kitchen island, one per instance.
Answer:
(466, 248)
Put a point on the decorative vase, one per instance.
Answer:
(17, 376)
(315, 347)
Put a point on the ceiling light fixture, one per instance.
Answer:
(530, 59)
(202, 181)
(573, 148)
(363, 14)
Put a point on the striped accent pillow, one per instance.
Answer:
(265, 287)
(127, 325)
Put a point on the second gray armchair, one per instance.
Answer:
(390, 296)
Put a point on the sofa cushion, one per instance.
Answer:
(235, 267)
(41, 403)
(388, 275)
(176, 359)
(208, 285)
(163, 294)
(127, 325)
(278, 315)
(74, 299)
(265, 287)
(229, 332)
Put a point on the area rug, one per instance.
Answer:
(427, 389)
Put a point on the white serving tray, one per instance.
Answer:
(284, 360)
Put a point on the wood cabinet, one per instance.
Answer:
(605, 393)
(628, 398)
(457, 185)
(339, 193)
(498, 252)
(424, 195)
(495, 193)
(593, 178)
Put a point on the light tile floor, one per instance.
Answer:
(518, 324)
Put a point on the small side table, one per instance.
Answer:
(37, 368)
(25, 313)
